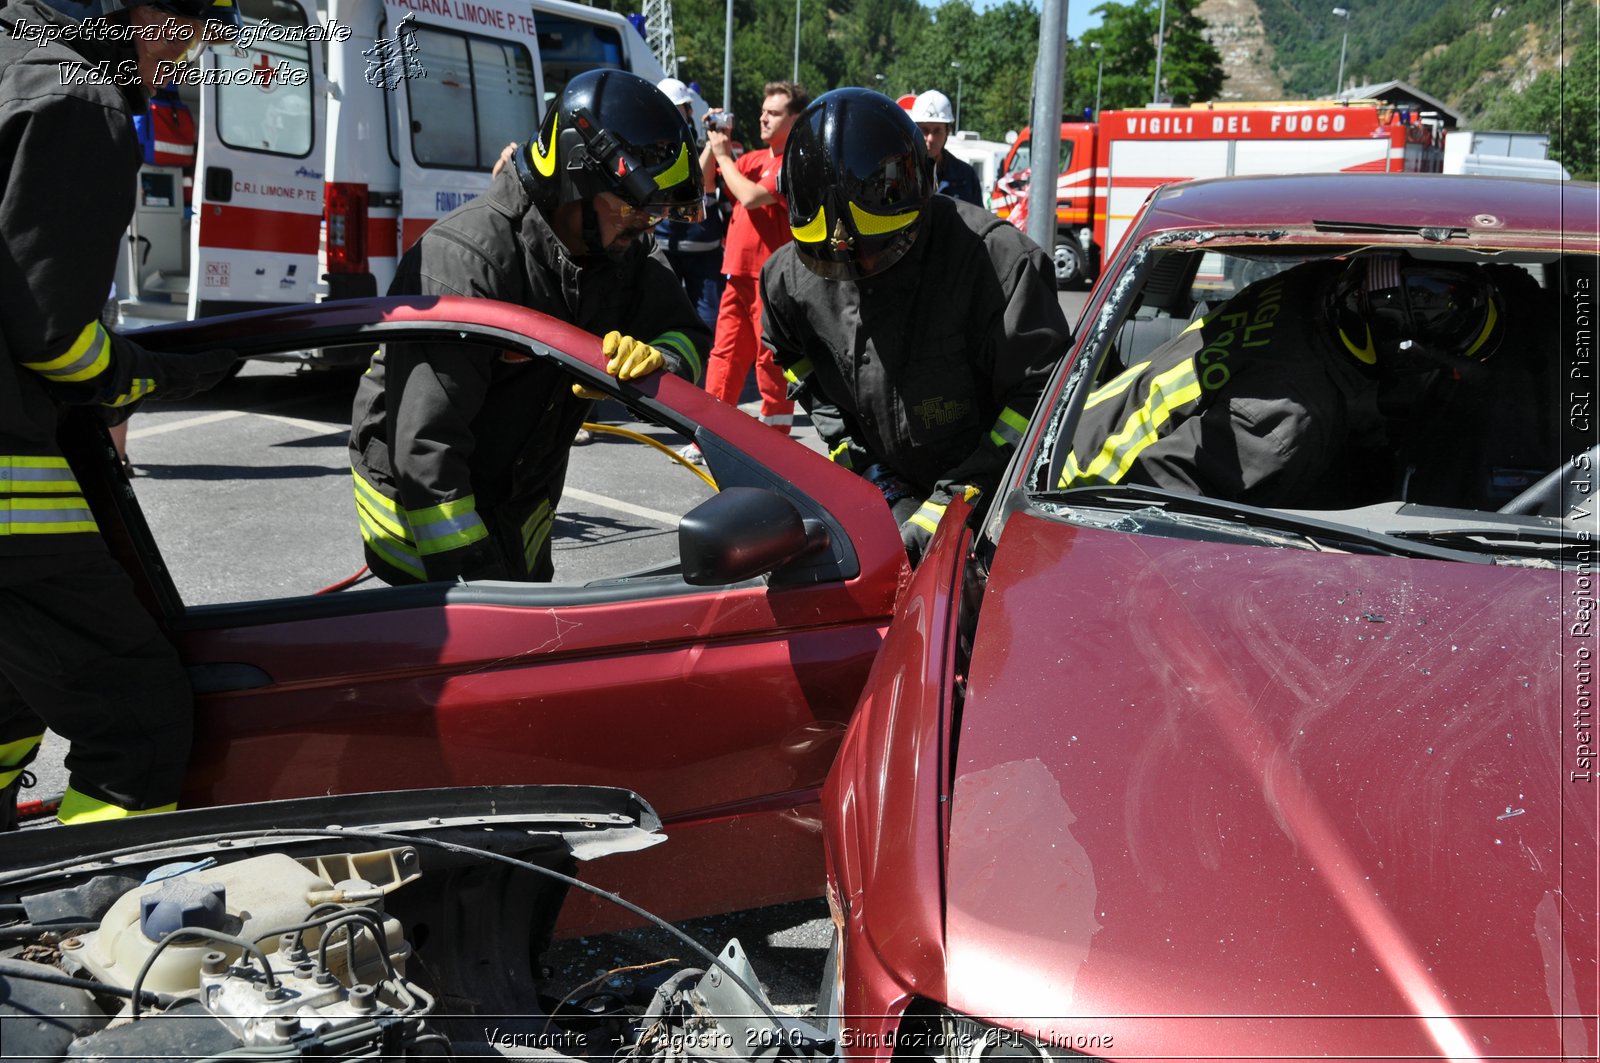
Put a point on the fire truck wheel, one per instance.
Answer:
(1070, 271)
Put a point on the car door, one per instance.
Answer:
(258, 200)
(722, 705)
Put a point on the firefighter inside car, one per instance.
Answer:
(1291, 393)
(460, 453)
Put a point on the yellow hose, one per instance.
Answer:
(639, 437)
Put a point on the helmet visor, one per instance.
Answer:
(1444, 309)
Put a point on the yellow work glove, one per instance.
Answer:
(626, 359)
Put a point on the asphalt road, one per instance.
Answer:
(247, 490)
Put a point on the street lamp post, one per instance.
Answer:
(1338, 86)
(879, 78)
(1099, 75)
(796, 76)
(957, 68)
(1161, 41)
(727, 59)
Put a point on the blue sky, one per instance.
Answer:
(1078, 16)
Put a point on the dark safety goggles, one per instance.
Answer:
(655, 213)
(1448, 310)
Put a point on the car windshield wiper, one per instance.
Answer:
(1315, 532)
(1510, 541)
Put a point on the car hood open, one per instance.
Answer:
(1271, 802)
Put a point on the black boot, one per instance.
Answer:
(8, 799)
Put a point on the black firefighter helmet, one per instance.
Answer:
(1397, 313)
(613, 131)
(858, 178)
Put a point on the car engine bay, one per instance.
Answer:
(210, 935)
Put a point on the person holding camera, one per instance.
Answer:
(695, 248)
(759, 226)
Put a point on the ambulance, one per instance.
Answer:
(1109, 168)
(335, 134)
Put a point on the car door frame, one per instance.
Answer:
(468, 684)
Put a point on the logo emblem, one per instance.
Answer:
(841, 241)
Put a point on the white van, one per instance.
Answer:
(985, 156)
(343, 132)
(1514, 166)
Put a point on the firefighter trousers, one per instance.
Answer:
(80, 654)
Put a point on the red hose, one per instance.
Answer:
(342, 584)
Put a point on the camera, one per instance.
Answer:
(721, 121)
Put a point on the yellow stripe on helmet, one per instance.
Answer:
(1488, 327)
(545, 164)
(677, 173)
(869, 224)
(814, 231)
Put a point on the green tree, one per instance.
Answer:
(996, 49)
(1191, 68)
(1562, 102)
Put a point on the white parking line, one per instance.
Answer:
(319, 427)
(187, 422)
(657, 515)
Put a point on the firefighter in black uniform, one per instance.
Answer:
(1283, 395)
(78, 652)
(460, 452)
(917, 330)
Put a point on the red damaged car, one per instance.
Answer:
(1154, 769)
(717, 683)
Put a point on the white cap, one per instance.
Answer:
(933, 106)
(676, 91)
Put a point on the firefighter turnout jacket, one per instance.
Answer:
(78, 652)
(1255, 402)
(931, 368)
(69, 163)
(460, 451)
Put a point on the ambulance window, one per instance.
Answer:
(568, 47)
(264, 98)
(503, 90)
(478, 95)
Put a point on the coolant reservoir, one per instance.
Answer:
(243, 900)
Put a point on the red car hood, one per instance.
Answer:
(1248, 801)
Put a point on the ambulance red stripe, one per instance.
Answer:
(254, 229)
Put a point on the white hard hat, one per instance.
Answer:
(676, 91)
(933, 106)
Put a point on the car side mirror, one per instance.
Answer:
(743, 532)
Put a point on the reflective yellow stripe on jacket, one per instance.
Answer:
(927, 516)
(678, 342)
(14, 756)
(1008, 428)
(535, 530)
(77, 807)
(87, 357)
(404, 537)
(1169, 391)
(62, 509)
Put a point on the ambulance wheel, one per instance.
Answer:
(1069, 264)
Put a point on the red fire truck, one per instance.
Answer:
(1109, 168)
